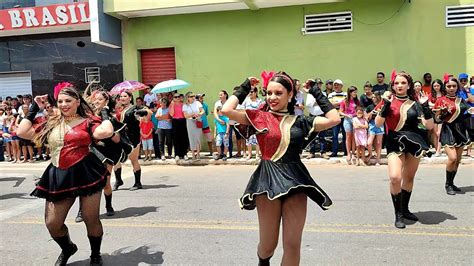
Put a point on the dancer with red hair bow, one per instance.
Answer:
(451, 110)
(75, 170)
(280, 185)
(402, 115)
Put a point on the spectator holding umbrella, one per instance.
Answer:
(129, 115)
(180, 131)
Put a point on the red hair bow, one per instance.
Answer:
(446, 77)
(266, 76)
(59, 87)
(393, 76)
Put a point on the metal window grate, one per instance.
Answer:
(92, 74)
(460, 16)
(328, 22)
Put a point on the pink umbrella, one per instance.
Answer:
(128, 85)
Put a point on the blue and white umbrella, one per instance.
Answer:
(170, 85)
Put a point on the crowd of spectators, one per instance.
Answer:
(178, 124)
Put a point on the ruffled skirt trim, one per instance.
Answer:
(406, 142)
(454, 135)
(280, 180)
(82, 179)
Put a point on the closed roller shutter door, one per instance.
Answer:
(13, 84)
(158, 65)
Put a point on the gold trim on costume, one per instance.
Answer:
(285, 126)
(404, 114)
(313, 129)
(259, 131)
(122, 114)
(457, 103)
(56, 142)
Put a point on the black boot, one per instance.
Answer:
(68, 249)
(449, 182)
(108, 205)
(95, 242)
(263, 262)
(118, 178)
(404, 206)
(138, 184)
(396, 199)
(455, 188)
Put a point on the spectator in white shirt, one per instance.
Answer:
(299, 106)
(150, 97)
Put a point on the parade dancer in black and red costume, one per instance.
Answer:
(451, 110)
(128, 116)
(75, 170)
(405, 119)
(280, 185)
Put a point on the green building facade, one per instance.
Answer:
(217, 50)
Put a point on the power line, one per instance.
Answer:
(380, 23)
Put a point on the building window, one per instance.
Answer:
(92, 74)
(327, 22)
(459, 16)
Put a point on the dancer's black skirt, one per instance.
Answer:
(454, 135)
(82, 179)
(413, 142)
(278, 180)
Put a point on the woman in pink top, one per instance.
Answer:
(178, 122)
(348, 110)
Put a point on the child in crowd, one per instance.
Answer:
(360, 135)
(222, 133)
(146, 136)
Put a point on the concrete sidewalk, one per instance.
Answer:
(208, 160)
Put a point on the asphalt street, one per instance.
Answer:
(189, 215)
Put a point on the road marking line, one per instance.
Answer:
(311, 229)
